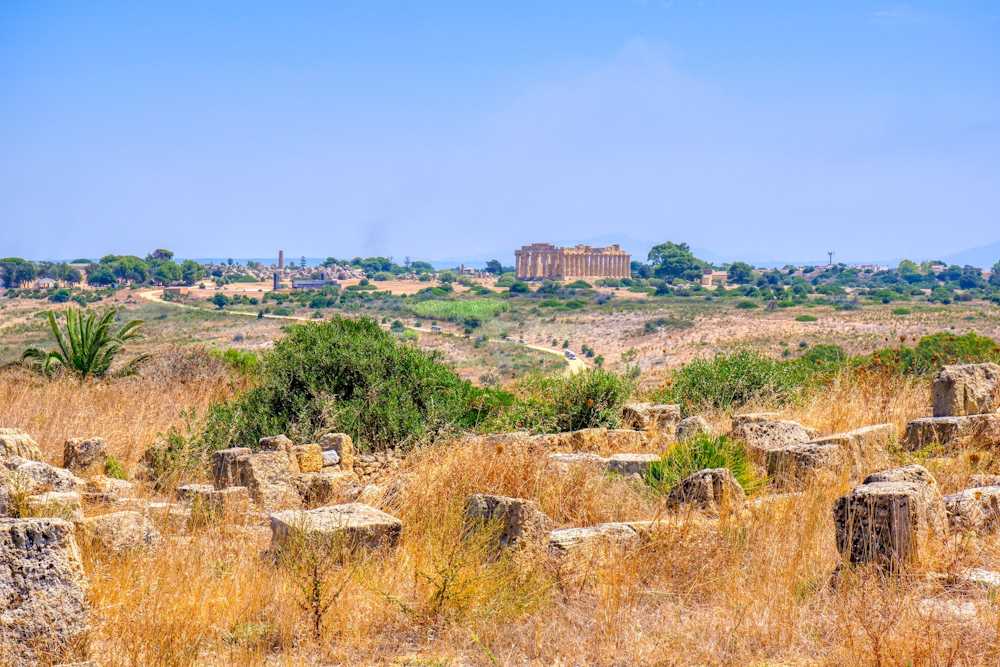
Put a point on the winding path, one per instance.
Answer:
(573, 366)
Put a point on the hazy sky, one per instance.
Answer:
(764, 130)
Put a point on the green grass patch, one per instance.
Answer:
(698, 453)
(459, 310)
(805, 318)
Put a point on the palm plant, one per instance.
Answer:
(89, 345)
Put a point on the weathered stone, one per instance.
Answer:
(15, 442)
(571, 539)
(226, 468)
(342, 444)
(943, 610)
(966, 389)
(84, 455)
(975, 509)
(710, 490)
(353, 525)
(889, 522)
(654, 417)
(43, 609)
(173, 516)
(863, 448)
(795, 466)
(763, 435)
(268, 477)
(325, 487)
(953, 432)
(190, 492)
(275, 443)
(602, 439)
(55, 504)
(564, 461)
(519, 519)
(331, 459)
(103, 489)
(691, 427)
(120, 532)
(631, 464)
(988, 579)
(984, 480)
(746, 417)
(308, 457)
(209, 504)
(20, 477)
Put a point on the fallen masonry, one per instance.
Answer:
(653, 417)
(976, 509)
(56, 504)
(857, 451)
(570, 539)
(519, 519)
(15, 442)
(953, 432)
(43, 609)
(84, 455)
(709, 490)
(119, 533)
(631, 464)
(350, 525)
(761, 435)
(691, 427)
(890, 518)
(966, 389)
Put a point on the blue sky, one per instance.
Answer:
(762, 130)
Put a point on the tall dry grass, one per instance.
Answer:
(751, 589)
(128, 413)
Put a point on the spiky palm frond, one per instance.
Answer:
(88, 346)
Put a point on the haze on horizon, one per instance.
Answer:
(440, 130)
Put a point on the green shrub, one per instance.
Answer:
(698, 453)
(934, 351)
(459, 310)
(746, 305)
(805, 318)
(245, 362)
(346, 375)
(114, 468)
(730, 380)
(901, 311)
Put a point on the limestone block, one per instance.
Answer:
(889, 522)
(308, 457)
(103, 489)
(691, 427)
(602, 439)
(710, 490)
(15, 442)
(225, 466)
(564, 461)
(984, 480)
(84, 455)
(654, 417)
(43, 608)
(863, 448)
(331, 459)
(350, 525)
(519, 519)
(793, 467)
(953, 432)
(191, 492)
(268, 477)
(976, 509)
(605, 534)
(342, 444)
(120, 532)
(631, 464)
(56, 504)
(324, 487)
(275, 443)
(966, 389)
(763, 435)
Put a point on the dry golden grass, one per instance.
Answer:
(128, 413)
(752, 589)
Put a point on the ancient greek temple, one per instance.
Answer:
(544, 260)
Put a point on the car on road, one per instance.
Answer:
(435, 328)
(569, 354)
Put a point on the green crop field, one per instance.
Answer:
(459, 310)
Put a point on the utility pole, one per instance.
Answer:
(830, 253)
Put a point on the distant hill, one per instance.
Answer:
(983, 256)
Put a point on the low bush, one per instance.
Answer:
(704, 451)
(805, 318)
(933, 352)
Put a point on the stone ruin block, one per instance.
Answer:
(953, 432)
(891, 518)
(56, 504)
(520, 520)
(350, 526)
(206, 502)
(652, 417)
(309, 458)
(709, 490)
(193, 492)
(226, 468)
(119, 533)
(567, 540)
(85, 455)
(275, 443)
(563, 461)
(25, 477)
(976, 510)
(602, 439)
(342, 445)
(863, 448)
(793, 467)
(966, 389)
(762, 435)
(746, 417)
(268, 477)
(984, 480)
(108, 490)
(15, 442)
(325, 487)
(692, 427)
(631, 464)
(43, 607)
